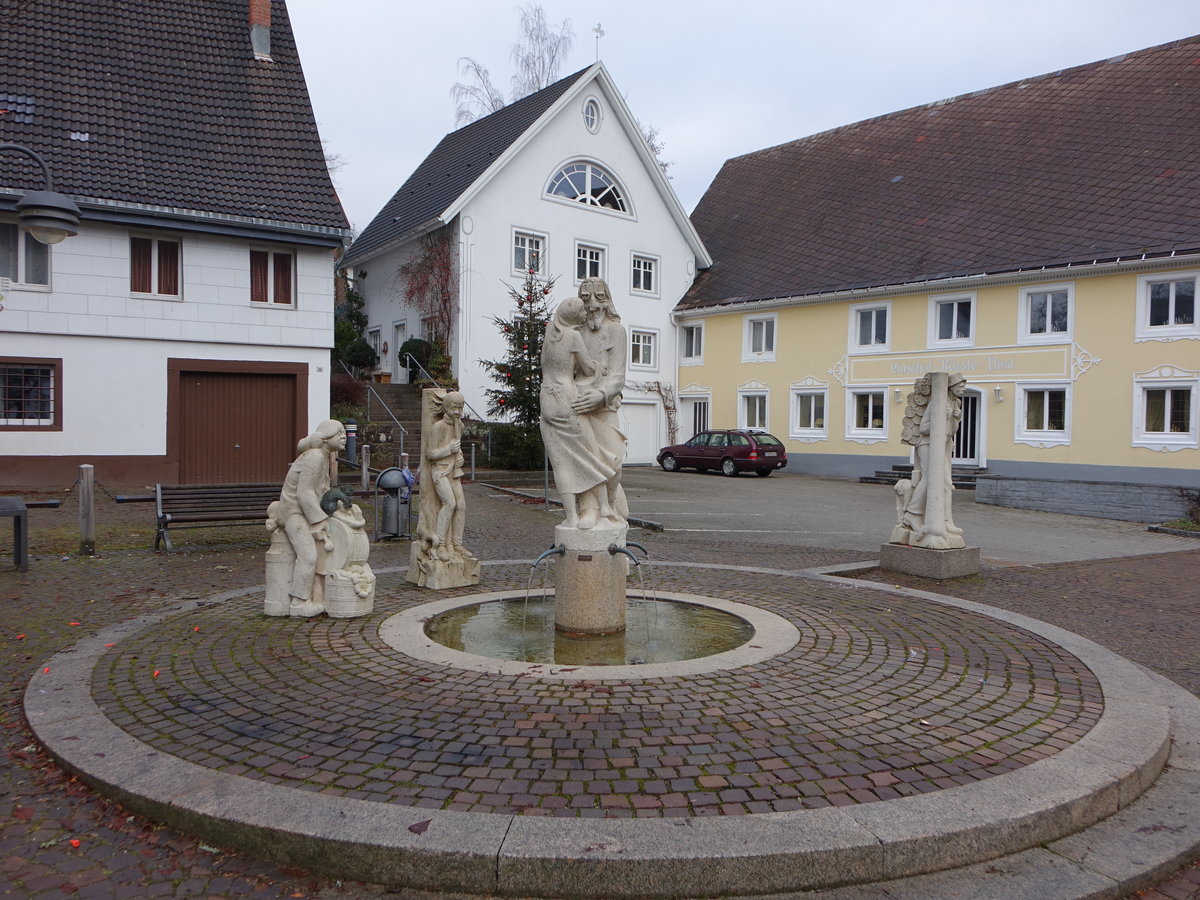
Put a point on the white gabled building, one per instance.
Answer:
(562, 179)
(183, 335)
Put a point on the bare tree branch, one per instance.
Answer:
(476, 98)
(539, 52)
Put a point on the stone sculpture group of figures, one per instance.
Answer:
(438, 558)
(583, 376)
(317, 561)
(923, 503)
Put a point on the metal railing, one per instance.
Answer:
(371, 392)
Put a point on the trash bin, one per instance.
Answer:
(394, 508)
(352, 440)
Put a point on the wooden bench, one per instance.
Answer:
(201, 505)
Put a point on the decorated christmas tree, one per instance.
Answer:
(517, 398)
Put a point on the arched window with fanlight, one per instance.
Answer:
(585, 182)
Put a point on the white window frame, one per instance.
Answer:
(1167, 378)
(696, 359)
(871, 434)
(655, 273)
(375, 339)
(936, 302)
(154, 240)
(855, 348)
(526, 234)
(1144, 331)
(25, 241)
(590, 247)
(761, 394)
(588, 168)
(811, 429)
(649, 338)
(592, 112)
(1025, 335)
(1039, 437)
(748, 322)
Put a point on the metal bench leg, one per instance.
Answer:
(21, 542)
(162, 537)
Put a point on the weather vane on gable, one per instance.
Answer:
(599, 32)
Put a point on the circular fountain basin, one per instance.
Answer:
(666, 634)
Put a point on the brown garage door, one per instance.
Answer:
(235, 427)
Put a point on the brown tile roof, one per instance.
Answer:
(1096, 162)
(162, 104)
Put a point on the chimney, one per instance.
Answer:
(260, 28)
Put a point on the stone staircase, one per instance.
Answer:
(404, 402)
(963, 477)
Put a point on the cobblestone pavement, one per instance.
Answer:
(58, 838)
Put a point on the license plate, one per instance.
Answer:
(770, 455)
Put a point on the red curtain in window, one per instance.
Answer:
(283, 278)
(259, 263)
(168, 268)
(139, 265)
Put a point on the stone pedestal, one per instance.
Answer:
(589, 582)
(350, 584)
(425, 570)
(926, 563)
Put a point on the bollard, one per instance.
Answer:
(87, 510)
(366, 467)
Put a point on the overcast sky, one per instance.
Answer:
(717, 79)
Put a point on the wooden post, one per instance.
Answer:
(87, 511)
(366, 463)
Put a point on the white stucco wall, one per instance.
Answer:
(114, 346)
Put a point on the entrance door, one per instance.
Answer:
(639, 422)
(235, 427)
(966, 438)
(399, 369)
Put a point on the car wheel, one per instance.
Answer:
(728, 467)
(763, 473)
(669, 463)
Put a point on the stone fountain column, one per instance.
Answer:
(589, 581)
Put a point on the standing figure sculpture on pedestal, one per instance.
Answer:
(438, 558)
(923, 503)
(317, 561)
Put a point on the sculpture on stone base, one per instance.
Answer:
(583, 377)
(438, 558)
(317, 561)
(923, 503)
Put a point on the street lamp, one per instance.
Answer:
(47, 215)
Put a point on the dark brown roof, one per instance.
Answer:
(162, 104)
(452, 167)
(1097, 162)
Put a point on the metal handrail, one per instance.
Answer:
(386, 409)
(413, 362)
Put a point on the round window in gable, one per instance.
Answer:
(591, 114)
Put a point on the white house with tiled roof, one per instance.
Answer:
(183, 335)
(562, 180)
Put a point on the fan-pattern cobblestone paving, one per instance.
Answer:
(60, 839)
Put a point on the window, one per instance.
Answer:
(808, 411)
(1044, 415)
(691, 351)
(30, 394)
(1046, 314)
(527, 252)
(866, 415)
(869, 328)
(592, 114)
(23, 259)
(699, 416)
(644, 279)
(753, 411)
(584, 182)
(271, 277)
(641, 348)
(1165, 414)
(154, 266)
(589, 262)
(374, 338)
(758, 338)
(951, 321)
(1166, 307)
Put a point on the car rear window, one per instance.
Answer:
(769, 440)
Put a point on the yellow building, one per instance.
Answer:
(1042, 238)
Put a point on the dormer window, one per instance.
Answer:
(587, 183)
